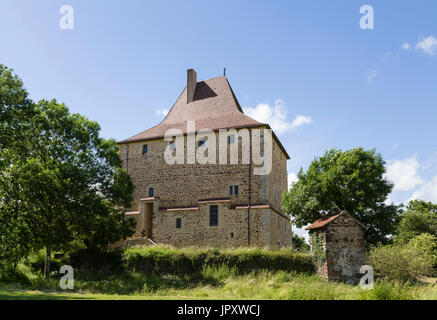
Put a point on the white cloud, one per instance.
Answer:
(406, 46)
(427, 191)
(161, 112)
(395, 147)
(371, 74)
(404, 174)
(428, 45)
(300, 121)
(276, 116)
(292, 179)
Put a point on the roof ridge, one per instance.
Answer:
(322, 222)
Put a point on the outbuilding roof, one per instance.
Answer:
(325, 221)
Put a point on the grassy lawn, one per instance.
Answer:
(265, 285)
(57, 295)
(170, 274)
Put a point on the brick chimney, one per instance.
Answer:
(191, 84)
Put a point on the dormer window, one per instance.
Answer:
(201, 142)
(145, 149)
(231, 139)
(173, 145)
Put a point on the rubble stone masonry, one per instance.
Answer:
(186, 191)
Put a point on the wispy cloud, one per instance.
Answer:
(371, 74)
(427, 192)
(161, 112)
(427, 45)
(276, 116)
(406, 46)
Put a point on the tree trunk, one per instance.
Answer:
(47, 264)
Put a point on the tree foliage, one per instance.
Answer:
(61, 182)
(419, 218)
(300, 244)
(352, 180)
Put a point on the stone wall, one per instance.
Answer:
(232, 229)
(183, 185)
(205, 181)
(344, 248)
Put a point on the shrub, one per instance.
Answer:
(427, 243)
(402, 263)
(96, 260)
(166, 260)
(15, 276)
(36, 262)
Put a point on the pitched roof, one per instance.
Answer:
(325, 221)
(214, 107)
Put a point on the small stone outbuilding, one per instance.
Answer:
(338, 244)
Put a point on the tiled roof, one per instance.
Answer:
(325, 221)
(214, 107)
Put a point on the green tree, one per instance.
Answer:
(419, 218)
(299, 243)
(352, 180)
(60, 181)
(15, 107)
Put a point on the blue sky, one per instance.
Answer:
(305, 65)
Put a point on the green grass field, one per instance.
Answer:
(170, 274)
(264, 285)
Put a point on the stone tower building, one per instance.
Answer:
(212, 204)
(339, 240)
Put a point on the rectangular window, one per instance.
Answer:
(231, 139)
(285, 226)
(178, 223)
(145, 149)
(151, 192)
(234, 190)
(278, 223)
(213, 216)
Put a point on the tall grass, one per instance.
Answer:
(167, 273)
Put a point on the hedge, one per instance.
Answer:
(166, 260)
